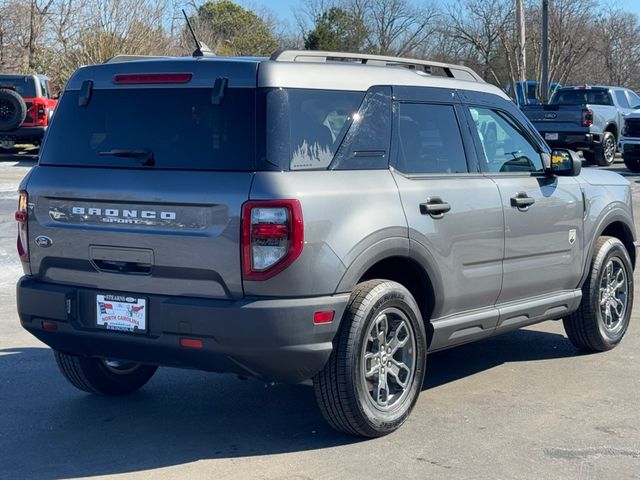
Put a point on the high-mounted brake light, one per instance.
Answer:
(272, 237)
(587, 117)
(142, 78)
(22, 217)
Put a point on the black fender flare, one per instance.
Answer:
(394, 247)
(613, 216)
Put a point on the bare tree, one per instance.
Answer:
(618, 49)
(396, 27)
(572, 38)
(486, 29)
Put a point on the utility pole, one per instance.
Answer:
(522, 55)
(545, 51)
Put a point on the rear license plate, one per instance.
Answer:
(551, 136)
(122, 313)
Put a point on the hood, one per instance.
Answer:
(594, 176)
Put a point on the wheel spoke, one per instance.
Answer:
(383, 389)
(400, 338)
(608, 317)
(400, 372)
(618, 307)
(370, 365)
(382, 327)
(609, 272)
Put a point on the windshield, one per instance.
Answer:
(25, 86)
(179, 128)
(581, 97)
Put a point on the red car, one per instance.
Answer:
(26, 106)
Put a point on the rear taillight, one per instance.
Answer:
(587, 117)
(272, 237)
(22, 217)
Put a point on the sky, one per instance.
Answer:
(284, 8)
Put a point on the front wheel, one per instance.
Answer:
(102, 376)
(374, 375)
(607, 299)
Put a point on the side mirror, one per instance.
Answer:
(562, 162)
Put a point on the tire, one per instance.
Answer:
(605, 153)
(632, 163)
(588, 156)
(590, 328)
(13, 110)
(344, 392)
(103, 377)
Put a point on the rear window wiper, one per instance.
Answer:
(145, 156)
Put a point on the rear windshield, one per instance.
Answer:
(581, 97)
(181, 128)
(25, 86)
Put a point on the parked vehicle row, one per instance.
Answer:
(586, 118)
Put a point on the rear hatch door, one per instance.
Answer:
(139, 188)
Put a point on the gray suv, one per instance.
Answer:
(313, 217)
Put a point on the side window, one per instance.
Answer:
(319, 120)
(622, 99)
(44, 89)
(506, 148)
(366, 143)
(634, 99)
(430, 140)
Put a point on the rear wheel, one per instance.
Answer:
(607, 299)
(375, 373)
(632, 163)
(102, 376)
(605, 153)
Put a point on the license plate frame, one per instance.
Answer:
(551, 136)
(122, 313)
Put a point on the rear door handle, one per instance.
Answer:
(435, 207)
(522, 201)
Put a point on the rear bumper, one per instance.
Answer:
(25, 135)
(273, 339)
(574, 141)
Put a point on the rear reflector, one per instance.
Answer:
(142, 78)
(49, 326)
(191, 343)
(323, 317)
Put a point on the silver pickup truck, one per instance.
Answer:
(585, 118)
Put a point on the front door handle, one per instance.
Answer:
(522, 201)
(435, 207)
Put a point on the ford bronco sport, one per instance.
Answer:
(315, 217)
(25, 109)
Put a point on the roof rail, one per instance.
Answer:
(450, 70)
(132, 58)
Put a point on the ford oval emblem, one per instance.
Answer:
(43, 241)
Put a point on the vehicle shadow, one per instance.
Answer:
(49, 430)
(517, 346)
(22, 155)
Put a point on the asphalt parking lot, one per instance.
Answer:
(525, 405)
